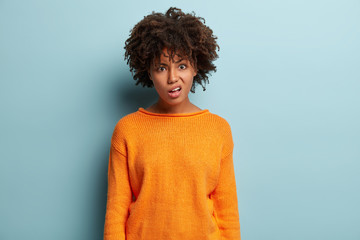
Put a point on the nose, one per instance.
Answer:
(173, 75)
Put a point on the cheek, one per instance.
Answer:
(159, 87)
(190, 77)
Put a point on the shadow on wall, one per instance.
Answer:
(100, 195)
(129, 97)
(123, 97)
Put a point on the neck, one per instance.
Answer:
(183, 107)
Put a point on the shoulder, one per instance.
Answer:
(124, 127)
(221, 123)
(126, 121)
(224, 130)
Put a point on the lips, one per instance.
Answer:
(176, 93)
(178, 86)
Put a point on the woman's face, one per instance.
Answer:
(170, 74)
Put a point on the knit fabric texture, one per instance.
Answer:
(171, 177)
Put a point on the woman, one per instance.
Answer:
(171, 173)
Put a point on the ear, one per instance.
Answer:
(149, 75)
(195, 72)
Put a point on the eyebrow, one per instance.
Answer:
(175, 62)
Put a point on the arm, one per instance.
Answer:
(225, 201)
(225, 196)
(119, 196)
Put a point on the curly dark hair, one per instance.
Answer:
(182, 34)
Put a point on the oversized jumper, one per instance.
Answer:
(171, 172)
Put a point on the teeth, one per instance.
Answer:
(175, 89)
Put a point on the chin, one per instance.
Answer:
(174, 102)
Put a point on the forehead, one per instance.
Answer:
(167, 56)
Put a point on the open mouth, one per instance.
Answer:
(175, 90)
(175, 93)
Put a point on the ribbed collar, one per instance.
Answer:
(204, 111)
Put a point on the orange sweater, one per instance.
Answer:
(171, 177)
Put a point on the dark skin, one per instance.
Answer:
(157, 109)
(167, 74)
(175, 29)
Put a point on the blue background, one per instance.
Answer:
(288, 83)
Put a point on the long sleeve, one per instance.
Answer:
(225, 201)
(119, 196)
(225, 195)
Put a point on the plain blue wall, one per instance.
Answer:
(288, 83)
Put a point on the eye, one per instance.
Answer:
(160, 69)
(182, 66)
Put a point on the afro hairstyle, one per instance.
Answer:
(182, 34)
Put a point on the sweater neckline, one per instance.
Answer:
(204, 111)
